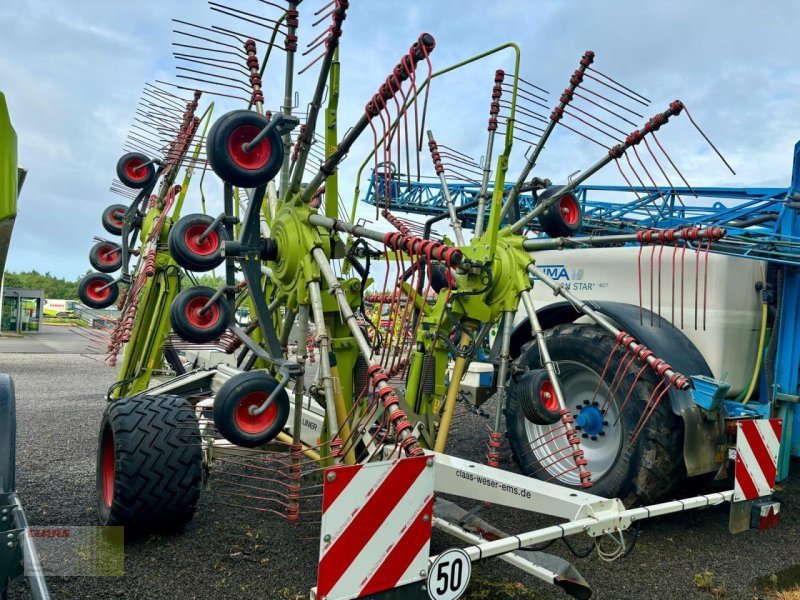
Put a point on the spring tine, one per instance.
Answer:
(566, 112)
(181, 87)
(710, 143)
(652, 255)
(544, 91)
(658, 164)
(238, 48)
(617, 83)
(528, 96)
(705, 283)
(528, 113)
(674, 252)
(225, 85)
(660, 254)
(697, 283)
(617, 104)
(187, 69)
(655, 186)
(583, 135)
(236, 13)
(609, 86)
(278, 6)
(655, 139)
(683, 272)
(211, 50)
(211, 62)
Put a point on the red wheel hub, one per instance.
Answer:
(202, 321)
(257, 157)
(547, 394)
(96, 292)
(133, 171)
(192, 239)
(255, 423)
(116, 217)
(108, 255)
(570, 211)
(107, 468)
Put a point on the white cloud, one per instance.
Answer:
(72, 73)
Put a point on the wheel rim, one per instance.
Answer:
(96, 292)
(133, 171)
(206, 320)
(257, 157)
(570, 211)
(547, 395)
(108, 255)
(202, 248)
(578, 382)
(108, 468)
(116, 217)
(255, 423)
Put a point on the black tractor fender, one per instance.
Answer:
(702, 435)
(667, 342)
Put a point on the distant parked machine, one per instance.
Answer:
(61, 309)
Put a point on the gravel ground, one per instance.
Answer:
(230, 553)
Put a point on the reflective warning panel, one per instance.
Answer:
(376, 527)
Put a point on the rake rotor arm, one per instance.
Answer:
(709, 233)
(614, 153)
(624, 340)
(588, 58)
(405, 438)
(311, 121)
(337, 156)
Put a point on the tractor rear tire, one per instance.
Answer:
(188, 251)
(149, 464)
(106, 257)
(644, 473)
(134, 171)
(228, 158)
(112, 218)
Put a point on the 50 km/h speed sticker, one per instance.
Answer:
(449, 575)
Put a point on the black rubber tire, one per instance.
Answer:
(228, 159)
(112, 218)
(157, 461)
(139, 179)
(645, 473)
(563, 218)
(530, 401)
(190, 325)
(233, 400)
(106, 257)
(187, 252)
(89, 294)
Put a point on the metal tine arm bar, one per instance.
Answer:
(614, 153)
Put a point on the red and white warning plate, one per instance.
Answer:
(757, 446)
(376, 527)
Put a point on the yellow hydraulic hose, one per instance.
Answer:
(759, 354)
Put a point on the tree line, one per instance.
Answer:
(64, 289)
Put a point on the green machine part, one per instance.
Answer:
(10, 180)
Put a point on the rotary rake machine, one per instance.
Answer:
(359, 445)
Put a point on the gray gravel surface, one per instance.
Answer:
(230, 553)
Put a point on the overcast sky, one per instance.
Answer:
(72, 73)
